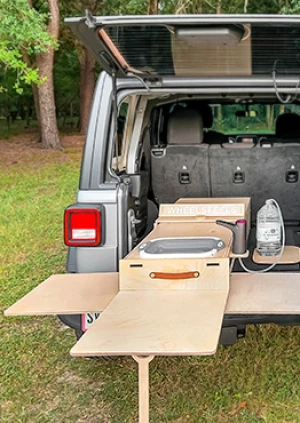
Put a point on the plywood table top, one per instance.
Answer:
(68, 294)
(260, 293)
(157, 322)
(290, 255)
(264, 293)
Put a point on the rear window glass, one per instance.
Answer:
(234, 50)
(234, 119)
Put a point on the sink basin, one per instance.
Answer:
(181, 247)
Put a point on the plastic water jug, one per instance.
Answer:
(268, 230)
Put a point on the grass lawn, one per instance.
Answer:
(256, 380)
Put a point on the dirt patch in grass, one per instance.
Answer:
(70, 378)
(25, 150)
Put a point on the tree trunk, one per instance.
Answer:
(87, 87)
(35, 93)
(272, 117)
(200, 7)
(48, 123)
(219, 117)
(268, 113)
(269, 116)
(45, 62)
(153, 7)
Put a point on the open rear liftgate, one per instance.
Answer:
(170, 305)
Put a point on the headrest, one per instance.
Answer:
(185, 126)
(207, 115)
(288, 125)
(205, 110)
(238, 146)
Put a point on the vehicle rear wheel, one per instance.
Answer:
(78, 333)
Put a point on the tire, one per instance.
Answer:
(78, 333)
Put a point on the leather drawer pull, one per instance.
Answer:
(184, 275)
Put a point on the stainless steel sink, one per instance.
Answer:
(181, 247)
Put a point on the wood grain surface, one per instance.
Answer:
(68, 294)
(157, 322)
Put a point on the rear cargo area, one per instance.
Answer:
(189, 158)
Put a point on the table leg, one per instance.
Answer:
(143, 362)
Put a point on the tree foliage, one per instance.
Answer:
(22, 30)
(23, 35)
(293, 8)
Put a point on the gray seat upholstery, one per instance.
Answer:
(187, 167)
(180, 169)
(259, 173)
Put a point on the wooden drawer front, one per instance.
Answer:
(174, 274)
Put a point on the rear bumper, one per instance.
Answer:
(234, 325)
(258, 319)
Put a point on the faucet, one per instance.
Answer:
(238, 230)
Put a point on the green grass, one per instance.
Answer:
(255, 381)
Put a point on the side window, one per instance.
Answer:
(126, 121)
(120, 161)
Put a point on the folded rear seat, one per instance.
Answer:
(239, 170)
(180, 169)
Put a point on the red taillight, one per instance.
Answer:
(82, 227)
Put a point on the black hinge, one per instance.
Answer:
(184, 177)
(239, 177)
(292, 176)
